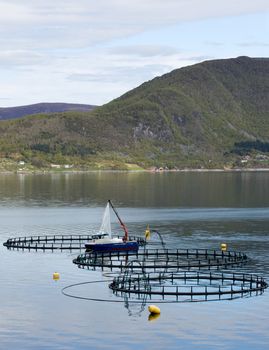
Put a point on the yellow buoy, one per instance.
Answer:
(147, 233)
(153, 309)
(56, 276)
(223, 246)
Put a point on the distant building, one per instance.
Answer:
(55, 166)
(261, 157)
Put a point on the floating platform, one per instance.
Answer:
(187, 286)
(57, 242)
(162, 259)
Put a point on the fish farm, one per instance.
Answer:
(187, 286)
(162, 259)
(57, 242)
(160, 275)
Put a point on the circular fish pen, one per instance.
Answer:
(162, 259)
(186, 286)
(57, 242)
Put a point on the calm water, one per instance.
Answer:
(190, 209)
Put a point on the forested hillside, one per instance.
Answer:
(195, 116)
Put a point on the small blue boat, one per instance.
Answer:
(112, 247)
(104, 242)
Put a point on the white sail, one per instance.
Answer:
(106, 224)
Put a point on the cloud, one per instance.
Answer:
(91, 76)
(19, 58)
(122, 74)
(253, 44)
(92, 51)
(131, 71)
(143, 50)
(14, 13)
(82, 23)
(214, 43)
(196, 59)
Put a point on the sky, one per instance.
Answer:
(92, 51)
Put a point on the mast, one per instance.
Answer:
(125, 238)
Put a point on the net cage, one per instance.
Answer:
(156, 274)
(186, 285)
(162, 259)
(58, 242)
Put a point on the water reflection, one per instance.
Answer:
(243, 189)
(188, 209)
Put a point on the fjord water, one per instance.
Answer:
(191, 210)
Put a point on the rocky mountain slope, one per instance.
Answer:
(193, 116)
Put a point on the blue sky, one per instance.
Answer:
(88, 51)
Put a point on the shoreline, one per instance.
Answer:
(187, 170)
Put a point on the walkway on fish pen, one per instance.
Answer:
(57, 242)
(162, 259)
(187, 285)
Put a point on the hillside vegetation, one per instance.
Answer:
(192, 117)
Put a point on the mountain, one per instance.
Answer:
(200, 116)
(45, 108)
